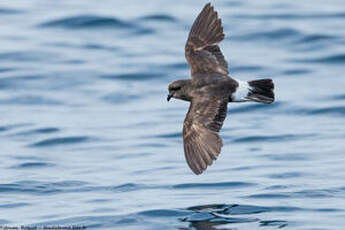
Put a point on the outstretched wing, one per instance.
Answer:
(201, 50)
(201, 140)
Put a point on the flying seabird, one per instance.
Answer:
(209, 91)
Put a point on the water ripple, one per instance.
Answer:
(316, 38)
(61, 141)
(316, 193)
(13, 126)
(87, 21)
(285, 137)
(30, 100)
(28, 56)
(335, 110)
(38, 131)
(286, 175)
(254, 107)
(39, 187)
(127, 187)
(232, 184)
(159, 18)
(132, 76)
(94, 22)
(32, 165)
(118, 98)
(296, 72)
(4, 69)
(13, 205)
(9, 11)
(286, 156)
(170, 135)
(164, 213)
(339, 97)
(292, 16)
(209, 216)
(334, 59)
(275, 34)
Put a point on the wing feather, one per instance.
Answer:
(201, 50)
(202, 143)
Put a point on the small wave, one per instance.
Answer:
(339, 97)
(87, 21)
(296, 72)
(61, 141)
(33, 165)
(269, 196)
(336, 110)
(244, 68)
(210, 216)
(95, 22)
(283, 16)
(331, 59)
(316, 38)
(280, 138)
(291, 16)
(276, 34)
(29, 56)
(234, 3)
(132, 76)
(170, 135)
(159, 18)
(251, 209)
(30, 100)
(127, 187)
(87, 45)
(316, 193)
(13, 205)
(178, 65)
(234, 184)
(286, 157)
(17, 81)
(10, 127)
(3, 128)
(285, 175)
(254, 107)
(118, 98)
(39, 187)
(9, 11)
(279, 223)
(164, 213)
(38, 131)
(207, 216)
(2, 221)
(94, 46)
(3, 70)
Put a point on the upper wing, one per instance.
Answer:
(201, 50)
(202, 143)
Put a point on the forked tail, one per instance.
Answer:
(261, 91)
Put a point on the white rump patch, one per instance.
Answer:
(241, 91)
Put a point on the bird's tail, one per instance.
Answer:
(261, 91)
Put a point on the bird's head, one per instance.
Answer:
(178, 89)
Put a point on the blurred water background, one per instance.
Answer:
(87, 137)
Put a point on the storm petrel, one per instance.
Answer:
(209, 91)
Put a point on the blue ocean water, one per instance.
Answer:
(88, 139)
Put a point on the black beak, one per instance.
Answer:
(169, 97)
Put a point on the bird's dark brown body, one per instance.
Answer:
(210, 90)
(210, 85)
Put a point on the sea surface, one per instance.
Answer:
(88, 139)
